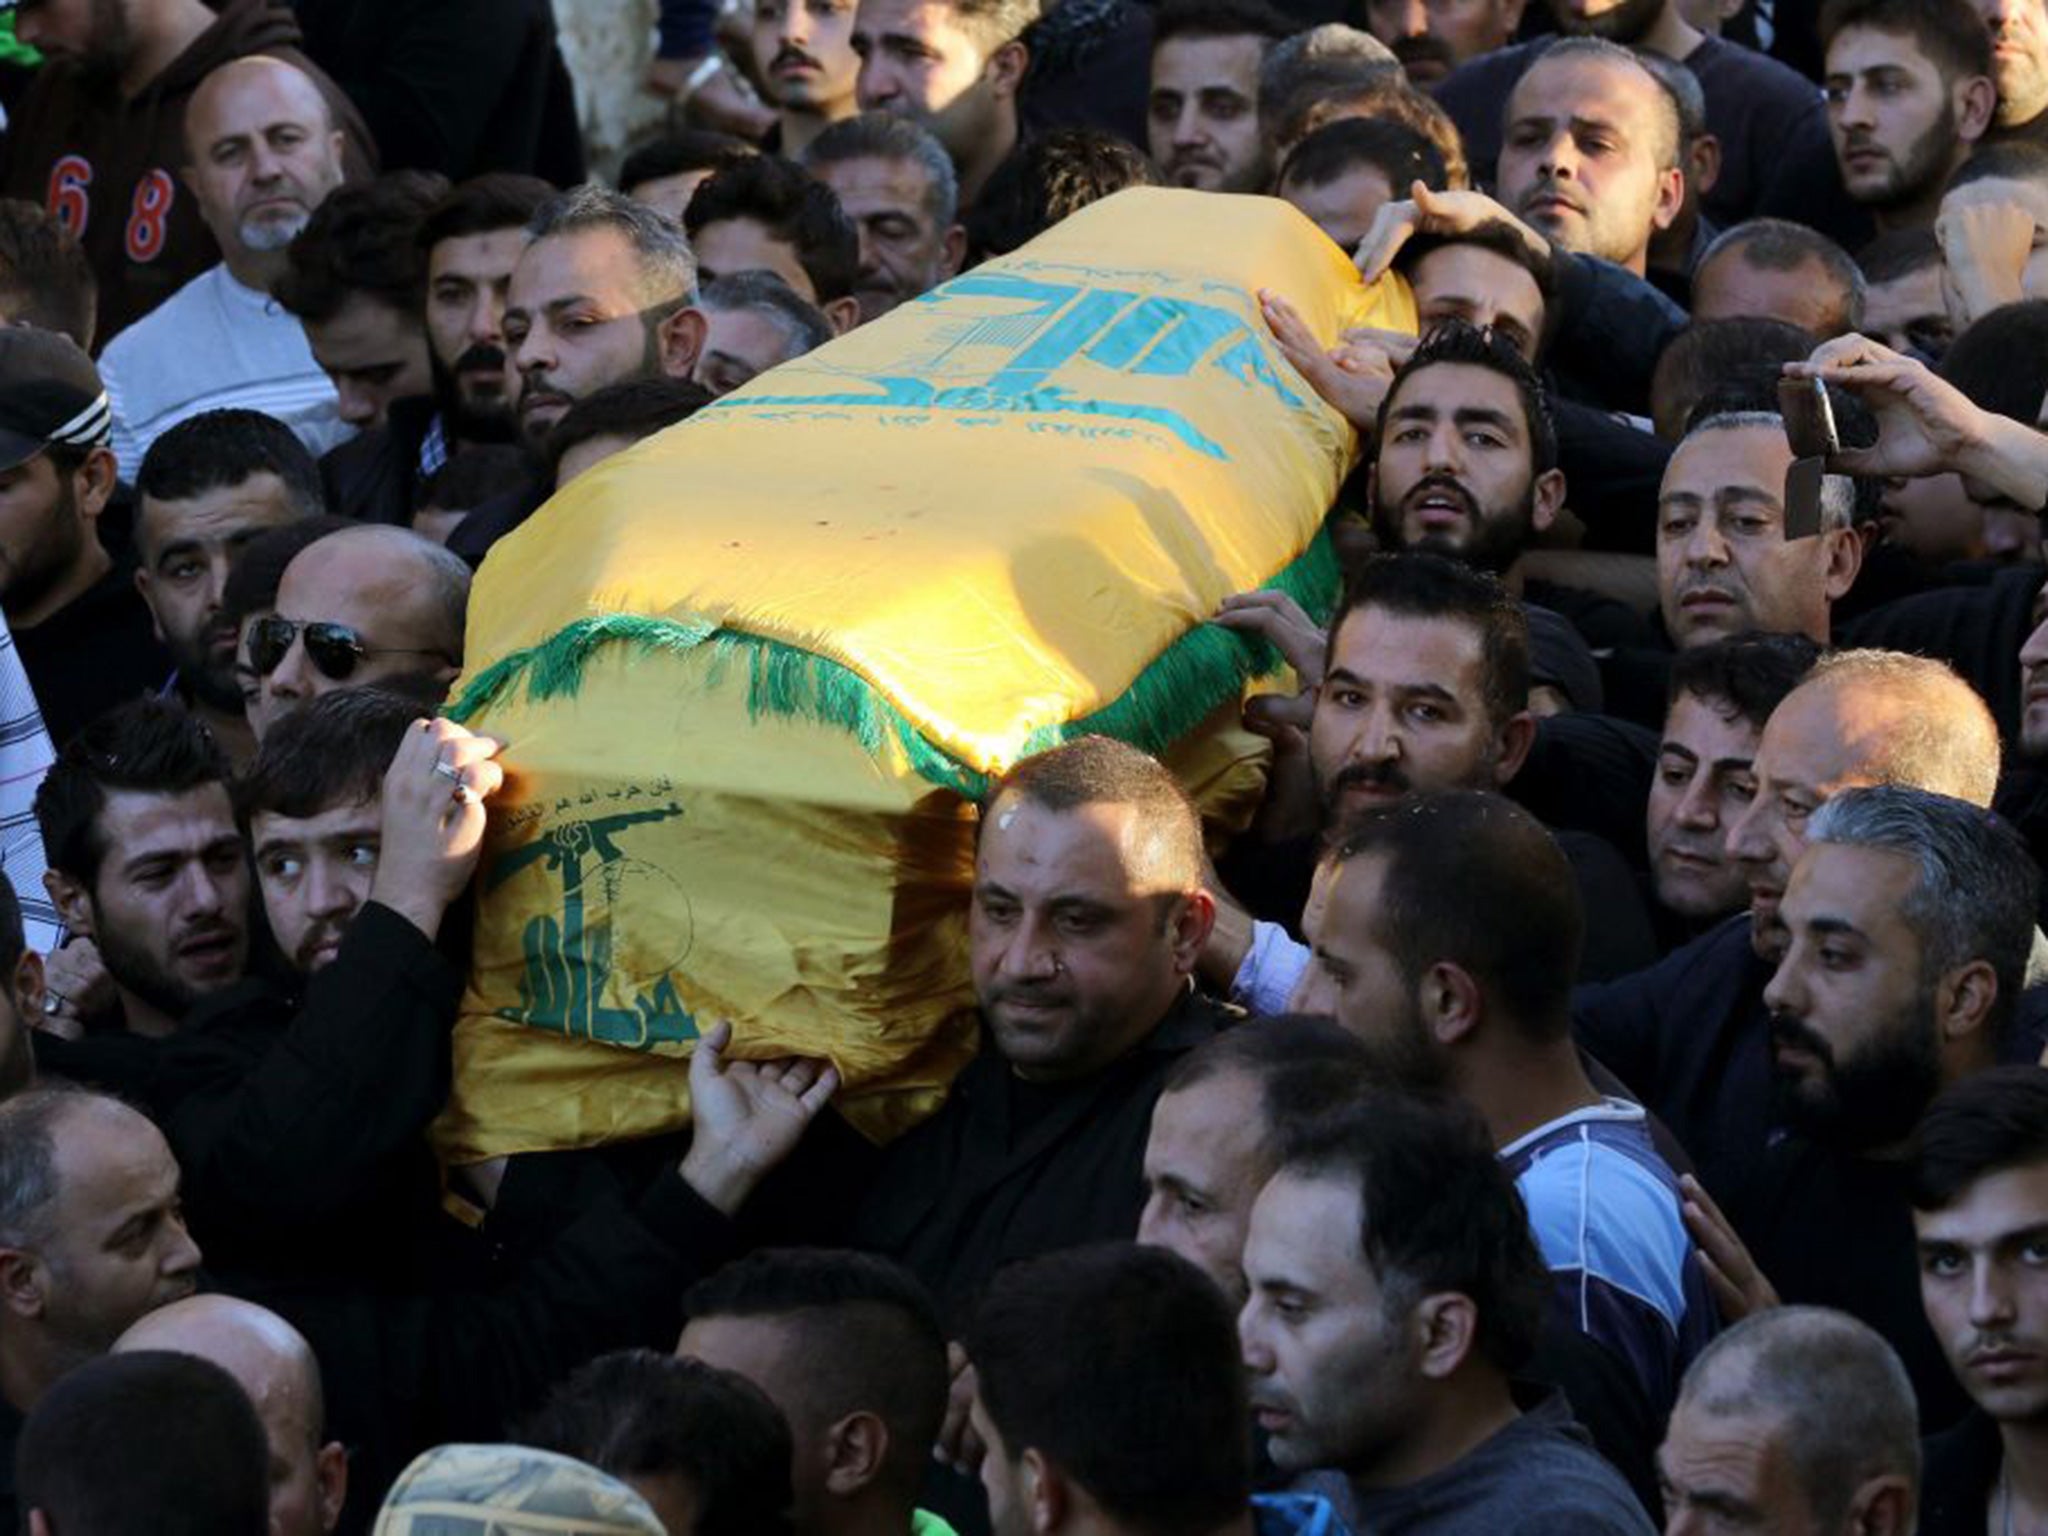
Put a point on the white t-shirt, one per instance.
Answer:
(212, 344)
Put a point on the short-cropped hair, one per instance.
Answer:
(1098, 770)
(218, 450)
(1989, 1123)
(149, 746)
(1119, 1365)
(330, 752)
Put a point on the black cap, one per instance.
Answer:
(49, 393)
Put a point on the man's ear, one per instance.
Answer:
(1670, 197)
(1516, 738)
(843, 313)
(1884, 1506)
(1452, 1002)
(29, 984)
(72, 901)
(1976, 99)
(24, 1283)
(1845, 559)
(1547, 500)
(855, 1449)
(679, 340)
(1703, 161)
(952, 251)
(330, 1478)
(1192, 924)
(1446, 1326)
(1963, 1000)
(1005, 69)
(95, 480)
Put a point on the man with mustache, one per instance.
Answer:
(1909, 918)
(469, 239)
(262, 153)
(1980, 1211)
(1909, 92)
(2019, 66)
(803, 55)
(208, 486)
(603, 293)
(1424, 686)
(1202, 111)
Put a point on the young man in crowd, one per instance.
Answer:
(803, 54)
(766, 215)
(1202, 109)
(1980, 1211)
(953, 66)
(470, 239)
(208, 487)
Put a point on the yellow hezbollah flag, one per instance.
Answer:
(752, 672)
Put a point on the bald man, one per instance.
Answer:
(262, 151)
(367, 605)
(273, 1363)
(1800, 1419)
(98, 137)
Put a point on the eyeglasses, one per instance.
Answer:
(333, 648)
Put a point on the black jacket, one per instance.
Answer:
(460, 87)
(1958, 1471)
(97, 651)
(299, 1125)
(374, 477)
(1009, 1170)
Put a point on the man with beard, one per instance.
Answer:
(101, 135)
(471, 239)
(1690, 1035)
(1424, 686)
(208, 486)
(262, 153)
(1202, 111)
(1467, 464)
(1909, 91)
(80, 630)
(2019, 66)
(146, 860)
(1980, 1209)
(603, 293)
(1910, 917)
(803, 54)
(897, 185)
(295, 1107)
(1447, 945)
(1770, 122)
(91, 1239)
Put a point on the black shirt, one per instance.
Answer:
(98, 650)
(1958, 1471)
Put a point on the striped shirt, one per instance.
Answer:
(25, 756)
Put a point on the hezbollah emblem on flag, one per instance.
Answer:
(754, 673)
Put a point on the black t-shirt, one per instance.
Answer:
(96, 651)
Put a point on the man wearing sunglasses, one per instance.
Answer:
(367, 605)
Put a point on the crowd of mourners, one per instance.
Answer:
(1600, 1091)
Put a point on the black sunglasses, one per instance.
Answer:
(334, 648)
